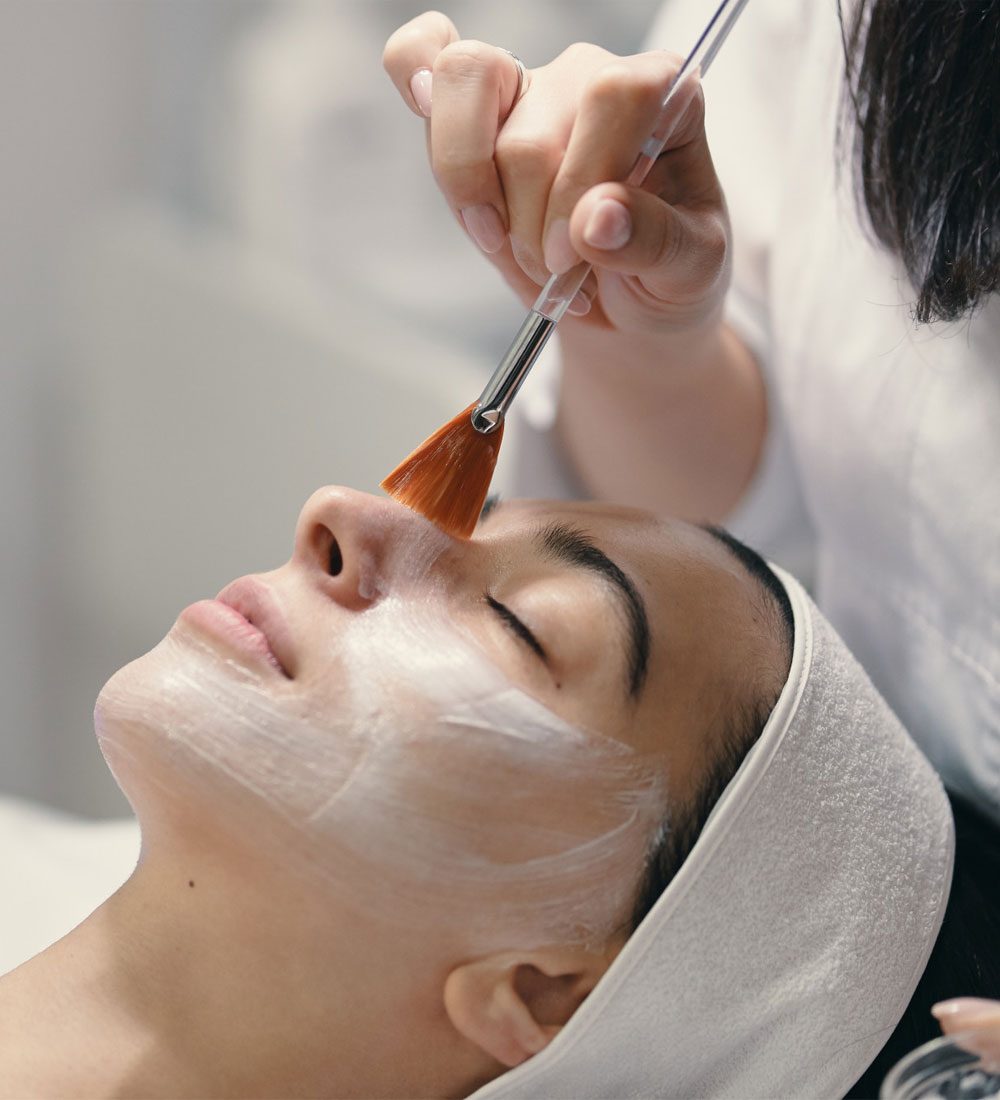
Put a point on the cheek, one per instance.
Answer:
(413, 780)
(498, 819)
(185, 722)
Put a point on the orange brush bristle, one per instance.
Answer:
(447, 477)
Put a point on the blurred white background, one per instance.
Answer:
(226, 278)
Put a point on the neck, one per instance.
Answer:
(190, 983)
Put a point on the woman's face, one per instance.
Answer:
(406, 718)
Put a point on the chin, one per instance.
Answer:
(120, 702)
(129, 718)
(188, 729)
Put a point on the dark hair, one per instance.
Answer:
(965, 961)
(744, 724)
(923, 94)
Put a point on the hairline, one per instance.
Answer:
(675, 839)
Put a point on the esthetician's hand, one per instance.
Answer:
(529, 180)
(976, 1018)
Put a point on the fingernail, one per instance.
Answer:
(609, 225)
(484, 226)
(420, 89)
(971, 1008)
(580, 305)
(558, 252)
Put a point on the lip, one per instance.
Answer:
(247, 616)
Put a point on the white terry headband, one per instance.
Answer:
(786, 949)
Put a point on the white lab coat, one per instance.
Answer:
(880, 480)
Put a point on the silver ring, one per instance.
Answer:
(521, 71)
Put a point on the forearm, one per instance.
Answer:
(676, 426)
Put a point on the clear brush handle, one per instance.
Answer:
(489, 411)
(560, 290)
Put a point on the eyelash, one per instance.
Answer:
(514, 624)
(489, 504)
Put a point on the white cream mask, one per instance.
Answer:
(413, 778)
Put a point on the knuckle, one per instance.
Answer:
(415, 33)
(609, 79)
(455, 171)
(570, 184)
(396, 48)
(716, 243)
(464, 182)
(465, 58)
(525, 153)
(665, 242)
(583, 53)
(619, 87)
(432, 26)
(437, 22)
(700, 248)
(672, 59)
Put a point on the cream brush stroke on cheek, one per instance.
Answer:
(414, 778)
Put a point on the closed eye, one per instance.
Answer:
(517, 627)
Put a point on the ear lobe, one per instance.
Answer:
(512, 1005)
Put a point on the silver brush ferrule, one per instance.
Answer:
(500, 391)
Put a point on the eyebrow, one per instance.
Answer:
(569, 546)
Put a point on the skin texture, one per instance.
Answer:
(662, 406)
(220, 970)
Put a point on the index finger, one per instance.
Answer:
(619, 109)
(414, 47)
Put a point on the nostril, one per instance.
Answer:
(335, 560)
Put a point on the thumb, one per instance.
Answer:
(675, 251)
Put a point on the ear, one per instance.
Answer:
(511, 1005)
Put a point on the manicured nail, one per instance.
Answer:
(609, 226)
(420, 89)
(558, 252)
(484, 226)
(580, 306)
(962, 1008)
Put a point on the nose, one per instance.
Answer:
(348, 540)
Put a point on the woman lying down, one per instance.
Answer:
(590, 805)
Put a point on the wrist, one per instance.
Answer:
(674, 425)
(675, 358)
